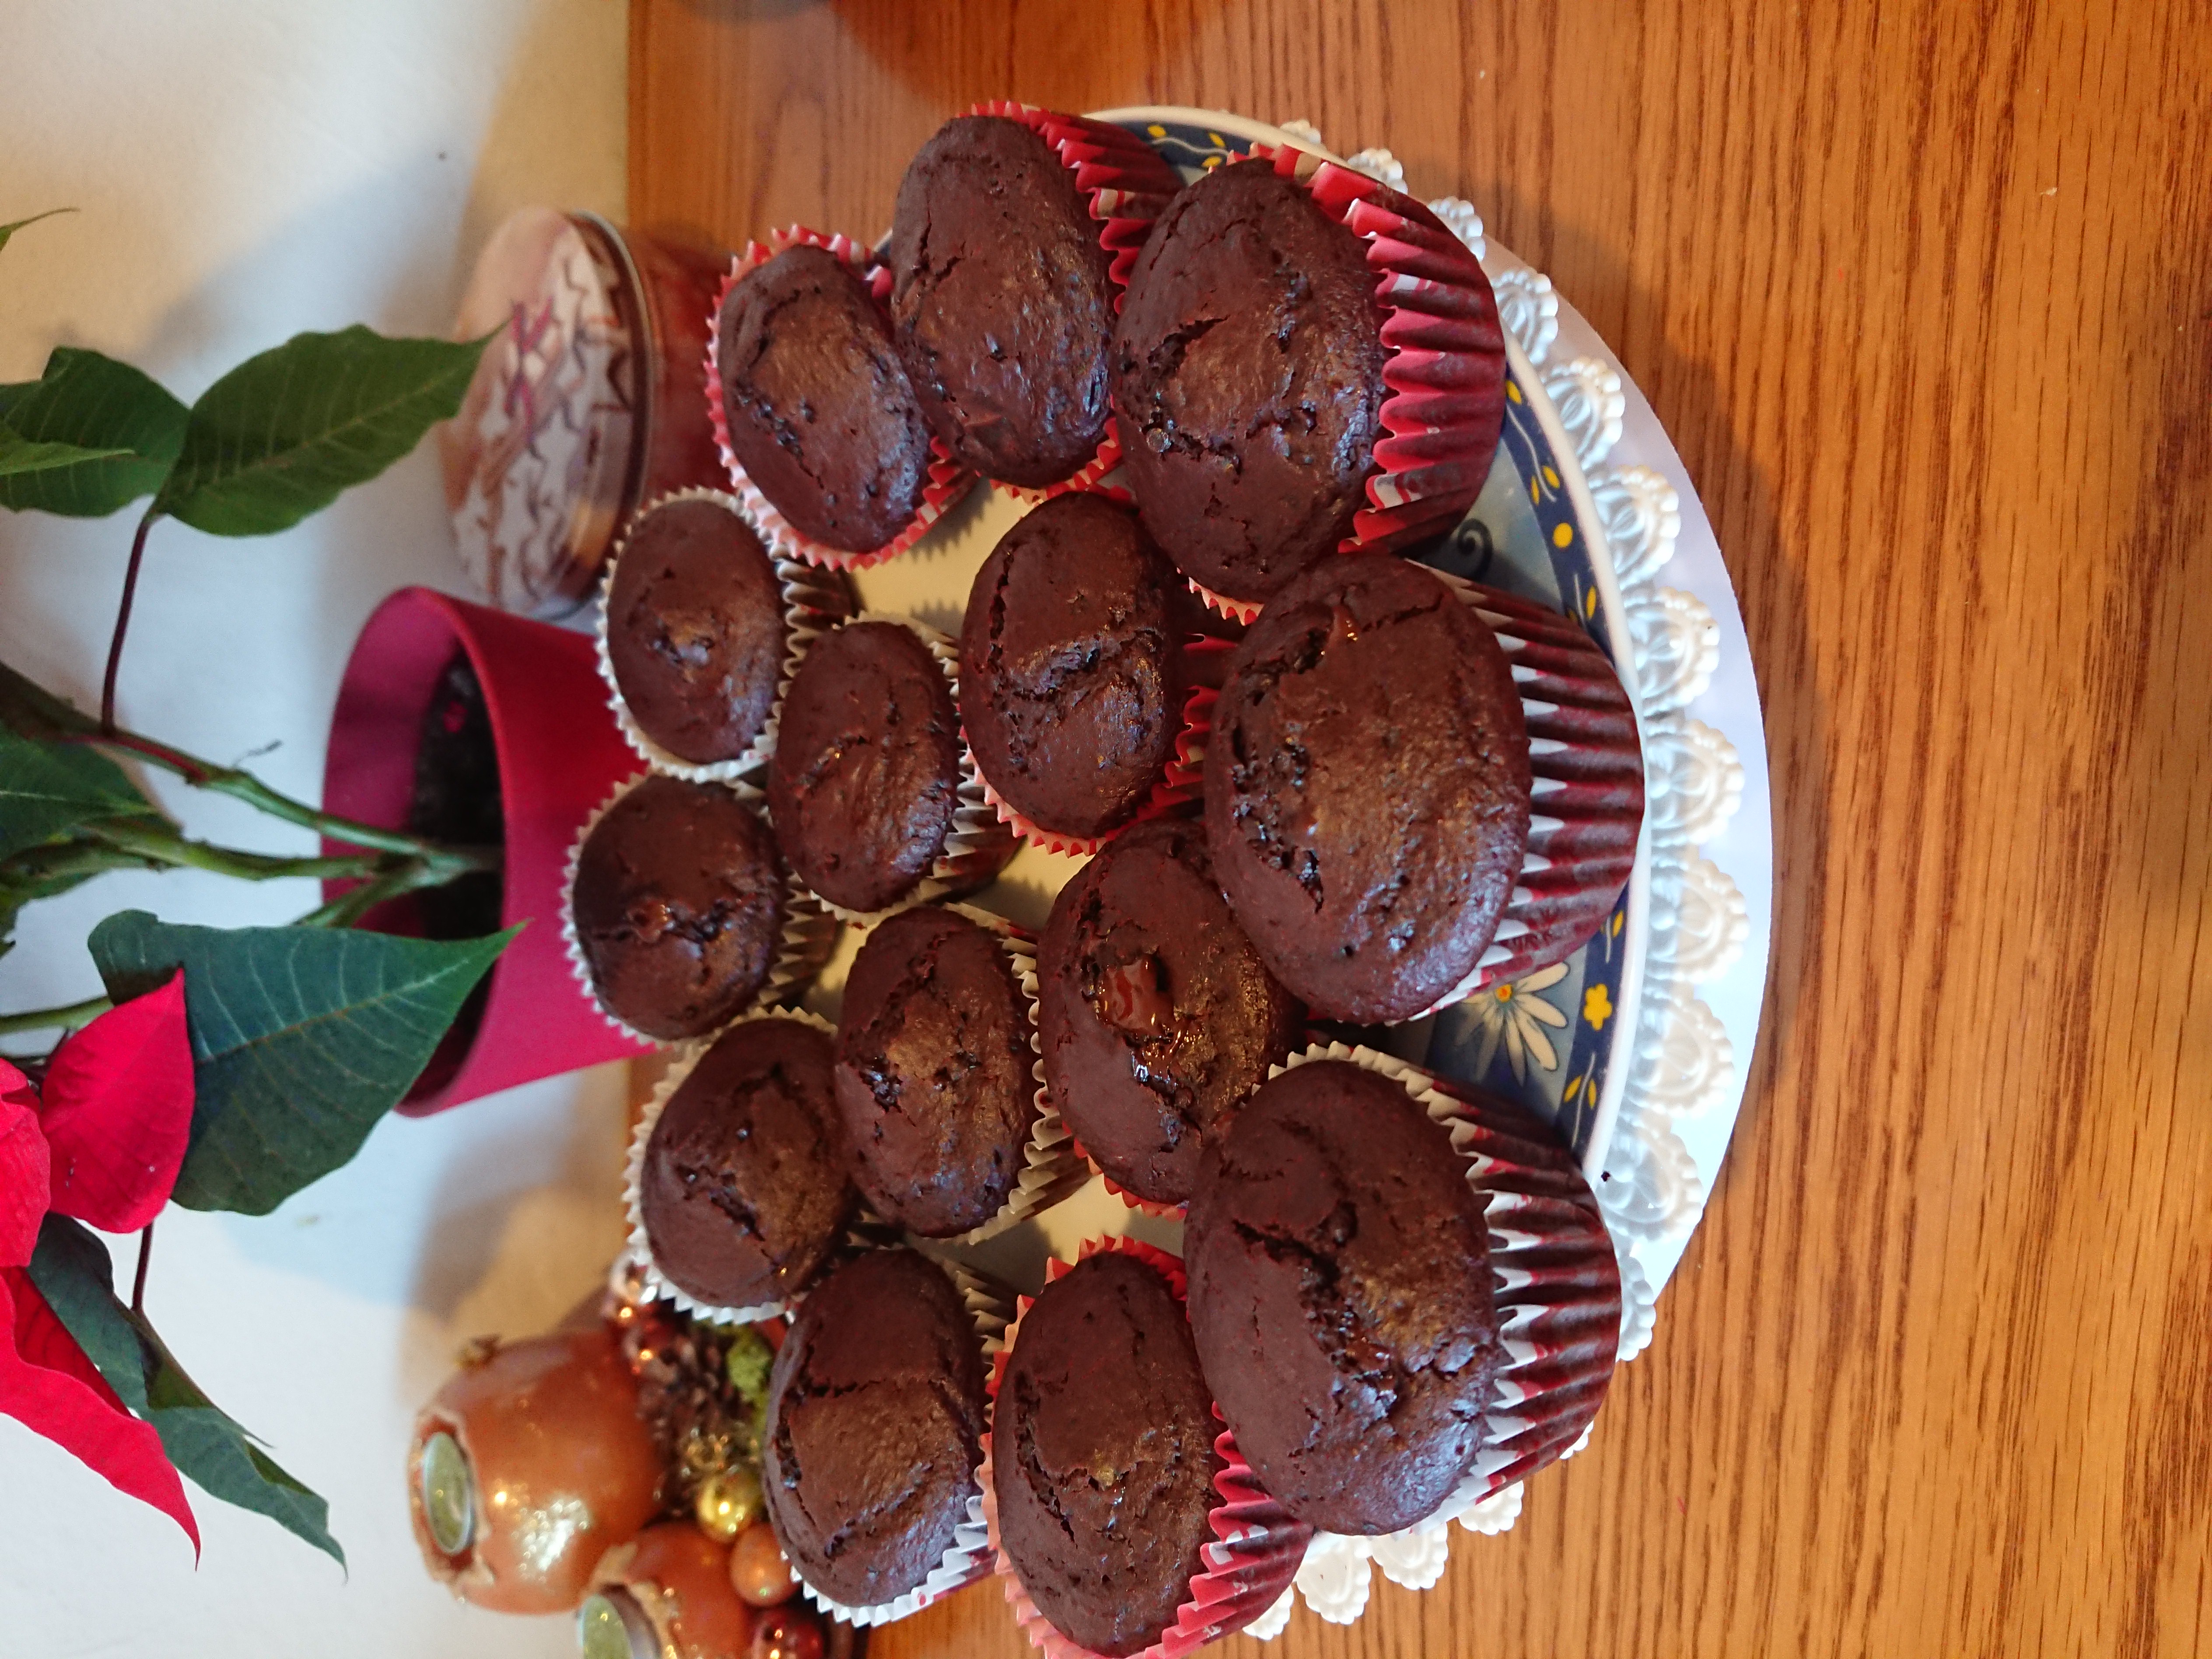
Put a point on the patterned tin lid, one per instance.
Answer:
(537, 462)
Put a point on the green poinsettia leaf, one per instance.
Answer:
(302, 1039)
(23, 882)
(125, 431)
(29, 710)
(8, 230)
(72, 1269)
(73, 1273)
(219, 1456)
(20, 456)
(283, 434)
(48, 789)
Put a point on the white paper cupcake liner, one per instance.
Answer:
(1556, 1283)
(639, 1249)
(968, 1559)
(810, 933)
(977, 845)
(812, 601)
(1051, 1168)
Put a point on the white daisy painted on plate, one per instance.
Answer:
(1515, 1014)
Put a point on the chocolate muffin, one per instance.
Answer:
(1341, 1294)
(1157, 1016)
(821, 413)
(866, 776)
(743, 1191)
(1248, 381)
(1367, 787)
(696, 632)
(875, 1422)
(935, 1085)
(679, 904)
(1072, 676)
(1001, 302)
(1101, 1454)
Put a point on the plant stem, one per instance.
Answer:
(139, 1279)
(35, 713)
(244, 786)
(42, 1019)
(123, 620)
(164, 845)
(352, 905)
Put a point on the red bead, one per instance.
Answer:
(787, 1633)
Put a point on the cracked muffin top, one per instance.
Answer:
(1072, 675)
(934, 1086)
(875, 1422)
(821, 413)
(1157, 1016)
(695, 630)
(743, 1191)
(679, 901)
(1367, 787)
(1248, 381)
(1001, 302)
(1101, 1454)
(1340, 1295)
(866, 777)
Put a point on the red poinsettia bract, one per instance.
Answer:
(101, 1142)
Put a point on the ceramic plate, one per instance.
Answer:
(1630, 1047)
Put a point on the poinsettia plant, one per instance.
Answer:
(223, 1068)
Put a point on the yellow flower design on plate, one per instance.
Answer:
(1597, 1006)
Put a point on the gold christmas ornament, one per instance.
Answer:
(728, 1503)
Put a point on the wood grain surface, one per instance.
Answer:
(1923, 293)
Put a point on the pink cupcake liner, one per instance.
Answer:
(1142, 1206)
(1557, 1282)
(977, 845)
(948, 481)
(1445, 371)
(1257, 1545)
(1125, 184)
(814, 599)
(1586, 788)
(968, 1559)
(809, 936)
(1240, 611)
(1181, 781)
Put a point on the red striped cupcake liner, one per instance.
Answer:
(1125, 184)
(1556, 1280)
(1445, 370)
(948, 483)
(1257, 1547)
(1142, 1206)
(1181, 781)
(1586, 788)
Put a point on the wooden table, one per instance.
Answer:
(1924, 293)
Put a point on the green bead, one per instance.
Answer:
(449, 1506)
